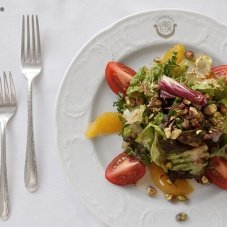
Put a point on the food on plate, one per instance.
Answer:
(161, 180)
(181, 217)
(179, 49)
(174, 120)
(151, 191)
(124, 169)
(217, 171)
(118, 76)
(105, 124)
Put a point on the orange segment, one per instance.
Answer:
(160, 179)
(105, 124)
(179, 48)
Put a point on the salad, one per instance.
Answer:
(172, 117)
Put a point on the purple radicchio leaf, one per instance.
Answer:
(174, 88)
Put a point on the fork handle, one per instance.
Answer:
(30, 171)
(4, 197)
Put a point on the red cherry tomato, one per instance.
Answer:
(124, 169)
(219, 71)
(217, 172)
(118, 76)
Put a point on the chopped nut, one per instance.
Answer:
(189, 55)
(220, 124)
(200, 117)
(183, 112)
(195, 123)
(182, 198)
(172, 118)
(198, 132)
(151, 191)
(207, 96)
(175, 133)
(218, 115)
(193, 111)
(187, 102)
(181, 216)
(169, 197)
(198, 107)
(214, 121)
(169, 165)
(210, 109)
(222, 109)
(169, 181)
(207, 137)
(155, 103)
(157, 60)
(156, 109)
(139, 101)
(167, 132)
(130, 101)
(205, 180)
(181, 106)
(185, 124)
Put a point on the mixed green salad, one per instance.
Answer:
(174, 115)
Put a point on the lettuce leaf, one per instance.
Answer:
(157, 153)
(135, 115)
(138, 152)
(214, 87)
(144, 80)
(146, 137)
(193, 160)
(158, 118)
(224, 102)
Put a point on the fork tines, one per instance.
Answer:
(30, 40)
(7, 90)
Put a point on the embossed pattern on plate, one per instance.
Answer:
(84, 94)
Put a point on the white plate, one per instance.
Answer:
(84, 94)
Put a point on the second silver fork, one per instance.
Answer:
(31, 66)
(7, 110)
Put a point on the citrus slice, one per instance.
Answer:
(160, 179)
(179, 48)
(105, 124)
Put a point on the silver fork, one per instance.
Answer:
(8, 108)
(31, 66)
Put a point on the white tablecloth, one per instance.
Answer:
(65, 25)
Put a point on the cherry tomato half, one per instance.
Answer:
(219, 71)
(124, 169)
(118, 76)
(217, 171)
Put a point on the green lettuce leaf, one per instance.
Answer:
(214, 87)
(224, 127)
(134, 115)
(138, 152)
(192, 161)
(144, 80)
(158, 118)
(146, 137)
(157, 153)
(132, 130)
(223, 101)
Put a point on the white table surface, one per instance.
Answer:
(65, 26)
